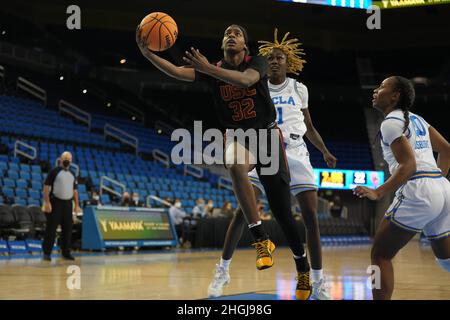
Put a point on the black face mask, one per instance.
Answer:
(66, 163)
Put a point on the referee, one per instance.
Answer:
(60, 188)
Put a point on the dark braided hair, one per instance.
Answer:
(407, 96)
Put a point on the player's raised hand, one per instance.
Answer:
(330, 160)
(196, 60)
(140, 42)
(364, 192)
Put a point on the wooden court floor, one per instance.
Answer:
(186, 274)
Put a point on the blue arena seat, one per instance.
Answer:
(21, 183)
(105, 199)
(13, 174)
(34, 194)
(32, 201)
(8, 182)
(82, 188)
(25, 175)
(20, 201)
(9, 192)
(22, 193)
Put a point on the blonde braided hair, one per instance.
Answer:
(291, 48)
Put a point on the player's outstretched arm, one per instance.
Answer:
(442, 147)
(180, 73)
(242, 79)
(313, 135)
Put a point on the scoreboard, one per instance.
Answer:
(347, 179)
(357, 4)
(365, 4)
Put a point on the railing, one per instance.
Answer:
(77, 113)
(162, 157)
(23, 153)
(225, 183)
(72, 165)
(193, 171)
(124, 137)
(32, 89)
(164, 127)
(18, 54)
(147, 201)
(128, 108)
(108, 188)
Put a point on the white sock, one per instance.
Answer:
(225, 263)
(316, 275)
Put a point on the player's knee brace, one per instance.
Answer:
(444, 263)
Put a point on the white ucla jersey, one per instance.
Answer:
(417, 134)
(289, 99)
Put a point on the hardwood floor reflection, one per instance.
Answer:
(186, 275)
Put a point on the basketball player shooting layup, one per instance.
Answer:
(249, 107)
(422, 199)
(291, 101)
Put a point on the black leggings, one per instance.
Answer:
(279, 196)
(283, 216)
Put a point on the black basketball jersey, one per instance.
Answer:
(242, 107)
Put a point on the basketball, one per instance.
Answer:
(159, 31)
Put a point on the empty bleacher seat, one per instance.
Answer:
(13, 174)
(22, 193)
(21, 183)
(36, 185)
(105, 199)
(35, 176)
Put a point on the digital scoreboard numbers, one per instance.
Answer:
(348, 179)
(334, 179)
(365, 4)
(356, 4)
(359, 177)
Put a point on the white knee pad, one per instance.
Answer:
(444, 263)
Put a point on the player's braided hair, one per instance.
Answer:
(291, 48)
(407, 96)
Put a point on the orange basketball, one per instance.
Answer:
(159, 31)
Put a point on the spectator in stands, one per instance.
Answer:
(94, 200)
(227, 210)
(135, 201)
(177, 214)
(126, 200)
(199, 210)
(336, 207)
(177, 203)
(60, 189)
(209, 208)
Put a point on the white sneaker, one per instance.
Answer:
(221, 278)
(320, 291)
